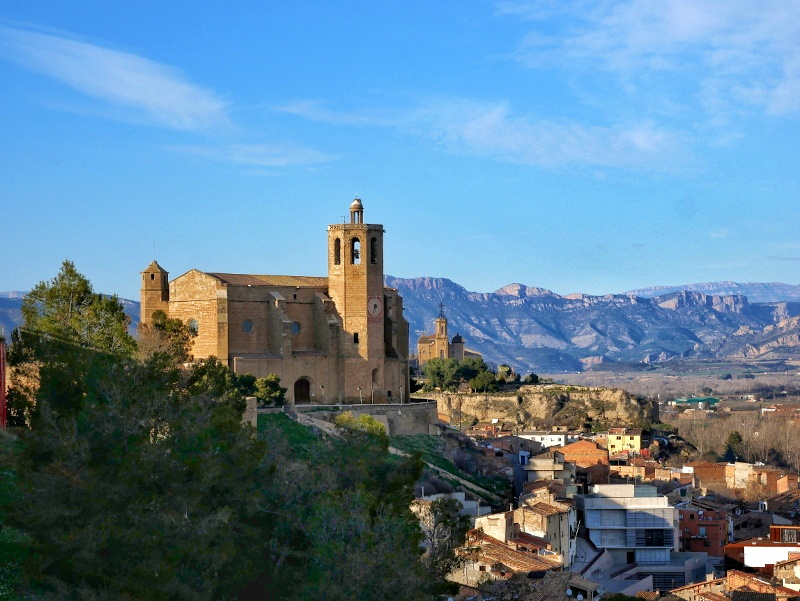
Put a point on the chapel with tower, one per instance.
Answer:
(340, 338)
(439, 346)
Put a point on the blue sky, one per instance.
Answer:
(577, 146)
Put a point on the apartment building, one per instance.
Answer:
(633, 522)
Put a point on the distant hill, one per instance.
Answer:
(11, 315)
(755, 292)
(534, 329)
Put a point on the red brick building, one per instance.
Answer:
(704, 531)
(708, 473)
(591, 460)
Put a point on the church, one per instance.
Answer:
(335, 339)
(439, 346)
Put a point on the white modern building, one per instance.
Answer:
(633, 522)
(546, 439)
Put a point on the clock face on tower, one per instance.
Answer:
(375, 306)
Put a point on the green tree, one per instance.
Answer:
(168, 336)
(505, 372)
(363, 424)
(531, 378)
(70, 335)
(270, 391)
(441, 373)
(733, 446)
(211, 378)
(484, 382)
(470, 367)
(147, 493)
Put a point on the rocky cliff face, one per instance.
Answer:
(533, 329)
(537, 406)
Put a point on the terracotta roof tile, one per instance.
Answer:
(492, 551)
(245, 279)
(544, 508)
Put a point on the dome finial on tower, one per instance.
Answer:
(356, 211)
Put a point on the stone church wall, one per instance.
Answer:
(402, 420)
(194, 297)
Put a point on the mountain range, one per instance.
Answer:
(533, 329)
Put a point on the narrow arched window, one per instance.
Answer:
(337, 252)
(373, 250)
(355, 251)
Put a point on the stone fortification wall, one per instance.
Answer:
(532, 406)
(405, 419)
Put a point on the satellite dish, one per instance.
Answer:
(569, 592)
(580, 597)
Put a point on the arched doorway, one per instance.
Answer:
(302, 391)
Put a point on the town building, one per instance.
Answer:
(633, 522)
(550, 466)
(788, 572)
(757, 478)
(704, 530)
(624, 440)
(637, 469)
(340, 338)
(749, 586)
(591, 461)
(546, 439)
(488, 557)
(439, 346)
(708, 473)
(758, 554)
(554, 521)
(784, 507)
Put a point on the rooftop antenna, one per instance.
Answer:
(154, 249)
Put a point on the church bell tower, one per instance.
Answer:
(355, 283)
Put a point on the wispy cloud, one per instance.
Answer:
(792, 259)
(726, 55)
(494, 130)
(135, 87)
(719, 234)
(259, 155)
(313, 110)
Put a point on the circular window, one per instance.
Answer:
(247, 326)
(193, 326)
(296, 327)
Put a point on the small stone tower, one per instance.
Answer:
(155, 292)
